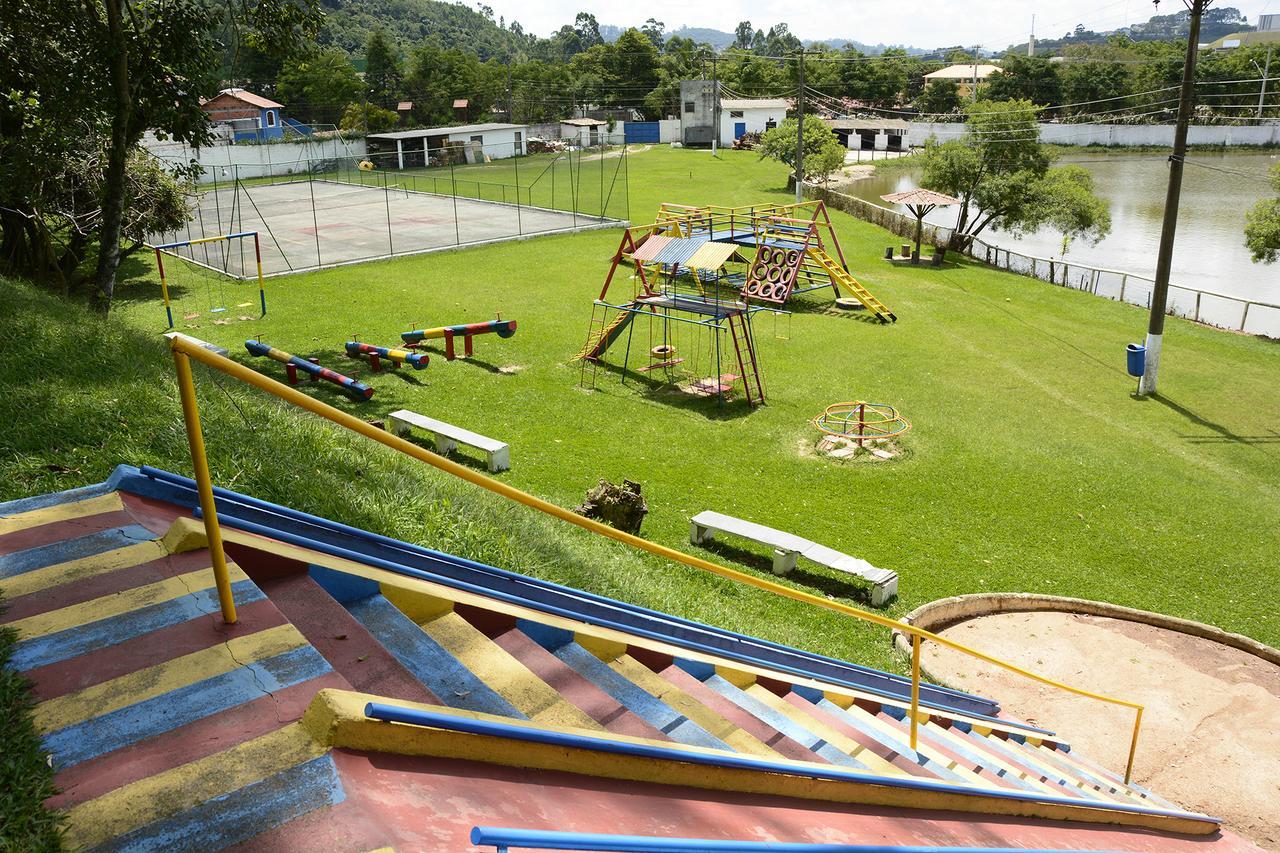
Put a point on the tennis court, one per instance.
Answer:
(309, 223)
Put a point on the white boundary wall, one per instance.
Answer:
(257, 161)
(1119, 134)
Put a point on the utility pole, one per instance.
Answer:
(1265, 71)
(1164, 258)
(973, 96)
(800, 134)
(511, 102)
(715, 104)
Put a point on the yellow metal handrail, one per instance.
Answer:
(185, 348)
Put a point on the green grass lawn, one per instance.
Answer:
(1030, 466)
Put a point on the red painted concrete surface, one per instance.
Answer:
(426, 804)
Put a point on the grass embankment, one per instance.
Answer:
(1030, 466)
(26, 779)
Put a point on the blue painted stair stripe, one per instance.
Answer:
(21, 505)
(1046, 775)
(240, 815)
(638, 701)
(73, 642)
(1060, 761)
(1052, 775)
(65, 550)
(431, 663)
(937, 768)
(782, 723)
(133, 723)
(1084, 761)
(973, 754)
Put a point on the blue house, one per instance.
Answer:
(249, 116)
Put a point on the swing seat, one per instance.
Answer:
(672, 363)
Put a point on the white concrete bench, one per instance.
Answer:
(788, 548)
(448, 437)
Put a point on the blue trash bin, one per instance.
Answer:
(1137, 359)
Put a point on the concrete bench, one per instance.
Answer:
(788, 548)
(448, 437)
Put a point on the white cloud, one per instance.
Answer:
(995, 24)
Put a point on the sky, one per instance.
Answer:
(994, 24)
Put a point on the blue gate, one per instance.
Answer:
(640, 131)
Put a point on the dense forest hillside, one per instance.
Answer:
(349, 23)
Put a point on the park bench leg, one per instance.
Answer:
(698, 534)
(500, 460)
(445, 445)
(784, 561)
(395, 426)
(882, 594)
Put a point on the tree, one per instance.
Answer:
(1002, 176)
(823, 153)
(588, 30)
(1032, 78)
(742, 35)
(320, 85)
(108, 71)
(368, 118)
(654, 30)
(940, 97)
(1262, 228)
(382, 77)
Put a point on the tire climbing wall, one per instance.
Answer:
(773, 274)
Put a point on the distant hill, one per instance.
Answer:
(1216, 23)
(348, 24)
(721, 40)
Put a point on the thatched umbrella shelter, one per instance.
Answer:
(920, 202)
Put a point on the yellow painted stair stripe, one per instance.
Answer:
(875, 721)
(180, 788)
(991, 758)
(99, 699)
(120, 603)
(506, 675)
(842, 742)
(82, 567)
(648, 680)
(97, 505)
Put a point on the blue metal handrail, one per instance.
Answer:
(540, 839)
(739, 761)
(608, 612)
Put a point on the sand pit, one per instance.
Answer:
(1211, 731)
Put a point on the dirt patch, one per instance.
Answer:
(1211, 731)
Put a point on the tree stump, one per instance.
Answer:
(618, 506)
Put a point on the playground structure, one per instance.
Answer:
(712, 268)
(218, 262)
(357, 391)
(861, 422)
(467, 331)
(394, 357)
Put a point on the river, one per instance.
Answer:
(1209, 253)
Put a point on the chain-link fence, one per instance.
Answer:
(343, 209)
(1200, 305)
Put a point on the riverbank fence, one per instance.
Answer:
(1200, 305)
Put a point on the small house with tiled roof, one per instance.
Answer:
(248, 116)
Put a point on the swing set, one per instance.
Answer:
(210, 259)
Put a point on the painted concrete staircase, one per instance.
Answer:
(165, 728)
(485, 662)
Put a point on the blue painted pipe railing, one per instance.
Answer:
(738, 761)
(541, 839)
(242, 510)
